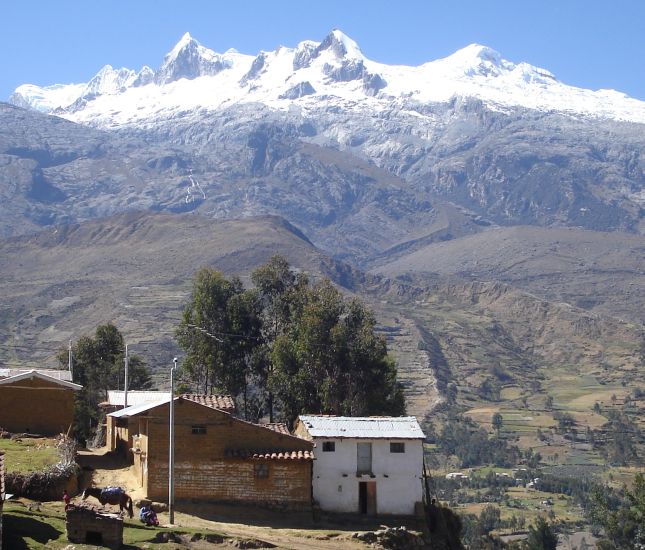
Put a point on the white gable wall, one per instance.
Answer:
(398, 476)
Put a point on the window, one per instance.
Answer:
(261, 471)
(199, 430)
(363, 458)
(397, 447)
(329, 446)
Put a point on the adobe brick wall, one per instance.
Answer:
(203, 471)
(233, 480)
(36, 406)
(223, 431)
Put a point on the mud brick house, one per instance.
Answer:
(121, 427)
(366, 465)
(1, 492)
(219, 457)
(37, 402)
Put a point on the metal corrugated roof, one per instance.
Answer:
(140, 397)
(368, 427)
(135, 397)
(42, 376)
(137, 409)
(52, 373)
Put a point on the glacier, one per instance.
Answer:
(314, 76)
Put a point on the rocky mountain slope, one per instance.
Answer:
(504, 208)
(135, 270)
(504, 141)
(597, 271)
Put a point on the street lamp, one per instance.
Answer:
(171, 457)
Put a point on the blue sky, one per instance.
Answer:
(588, 43)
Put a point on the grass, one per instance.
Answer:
(29, 455)
(45, 529)
(36, 530)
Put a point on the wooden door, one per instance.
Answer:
(371, 498)
(367, 498)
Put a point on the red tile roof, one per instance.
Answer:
(279, 427)
(269, 455)
(222, 402)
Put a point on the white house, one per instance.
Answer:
(367, 465)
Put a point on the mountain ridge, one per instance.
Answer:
(334, 67)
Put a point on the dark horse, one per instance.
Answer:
(110, 495)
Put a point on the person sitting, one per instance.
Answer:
(148, 516)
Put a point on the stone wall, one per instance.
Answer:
(36, 406)
(85, 525)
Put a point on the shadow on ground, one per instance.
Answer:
(101, 459)
(17, 528)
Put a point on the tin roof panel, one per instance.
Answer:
(367, 427)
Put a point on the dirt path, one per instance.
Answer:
(108, 470)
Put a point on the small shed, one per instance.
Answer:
(366, 465)
(36, 402)
(86, 525)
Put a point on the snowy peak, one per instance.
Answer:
(336, 48)
(110, 81)
(189, 59)
(312, 75)
(475, 60)
(341, 45)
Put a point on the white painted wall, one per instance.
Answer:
(398, 476)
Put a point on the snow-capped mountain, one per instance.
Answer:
(313, 76)
(357, 154)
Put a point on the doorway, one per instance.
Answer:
(367, 498)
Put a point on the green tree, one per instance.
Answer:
(220, 333)
(498, 422)
(98, 366)
(489, 519)
(204, 333)
(541, 536)
(277, 287)
(330, 359)
(287, 344)
(622, 517)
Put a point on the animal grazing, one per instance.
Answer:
(110, 495)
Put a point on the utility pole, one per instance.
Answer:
(125, 383)
(171, 456)
(69, 359)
